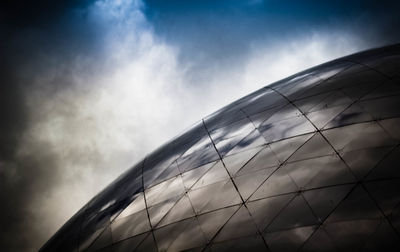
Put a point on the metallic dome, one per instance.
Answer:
(309, 163)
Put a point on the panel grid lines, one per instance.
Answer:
(300, 165)
(233, 182)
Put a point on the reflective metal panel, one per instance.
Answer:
(309, 163)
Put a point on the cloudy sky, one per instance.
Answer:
(87, 88)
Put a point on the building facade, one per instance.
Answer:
(309, 163)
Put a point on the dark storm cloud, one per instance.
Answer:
(89, 87)
(21, 13)
(35, 37)
(77, 109)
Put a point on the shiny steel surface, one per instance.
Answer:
(309, 163)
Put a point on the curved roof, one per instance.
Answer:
(310, 162)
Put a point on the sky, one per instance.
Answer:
(88, 88)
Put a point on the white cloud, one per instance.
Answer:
(267, 65)
(105, 120)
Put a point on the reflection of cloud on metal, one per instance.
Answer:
(277, 169)
(113, 83)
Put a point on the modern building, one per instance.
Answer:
(309, 163)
